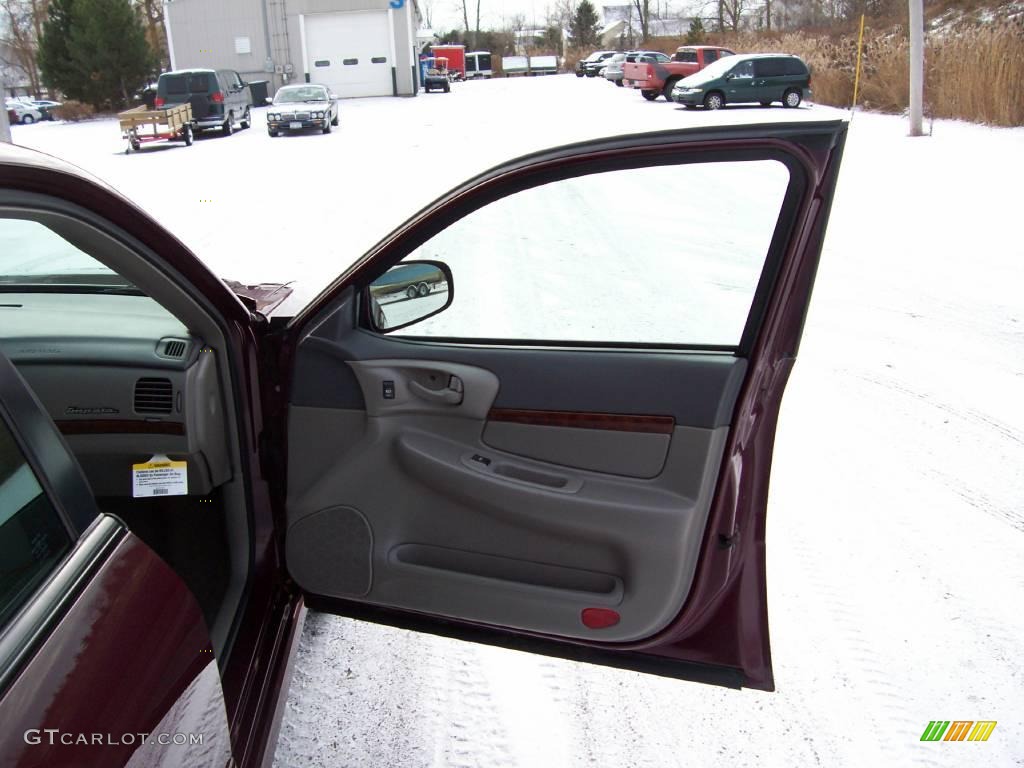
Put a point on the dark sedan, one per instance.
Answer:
(302, 108)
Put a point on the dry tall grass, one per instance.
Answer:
(972, 73)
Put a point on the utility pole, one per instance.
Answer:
(5, 125)
(916, 66)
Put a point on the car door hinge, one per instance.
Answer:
(725, 541)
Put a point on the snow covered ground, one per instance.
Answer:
(896, 518)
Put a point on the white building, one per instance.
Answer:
(356, 47)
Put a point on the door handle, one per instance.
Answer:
(450, 395)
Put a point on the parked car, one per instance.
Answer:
(24, 112)
(614, 70)
(47, 107)
(219, 98)
(180, 478)
(591, 64)
(301, 108)
(657, 78)
(761, 78)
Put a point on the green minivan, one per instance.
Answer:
(747, 79)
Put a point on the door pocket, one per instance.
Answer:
(600, 587)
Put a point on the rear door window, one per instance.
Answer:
(768, 67)
(174, 85)
(199, 83)
(793, 67)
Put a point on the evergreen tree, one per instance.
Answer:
(108, 46)
(57, 68)
(585, 27)
(695, 34)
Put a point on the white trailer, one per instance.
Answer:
(543, 65)
(515, 65)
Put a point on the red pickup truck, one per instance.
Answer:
(656, 79)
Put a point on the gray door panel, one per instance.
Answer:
(518, 542)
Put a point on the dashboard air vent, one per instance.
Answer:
(175, 348)
(154, 396)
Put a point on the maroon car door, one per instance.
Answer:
(105, 659)
(541, 413)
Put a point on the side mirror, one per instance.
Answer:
(332, 96)
(269, 100)
(729, 76)
(407, 293)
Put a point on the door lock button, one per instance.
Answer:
(481, 459)
(389, 389)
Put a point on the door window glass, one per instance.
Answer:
(32, 537)
(743, 70)
(710, 55)
(667, 254)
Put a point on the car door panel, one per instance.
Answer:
(130, 656)
(584, 477)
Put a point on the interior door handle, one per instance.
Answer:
(450, 395)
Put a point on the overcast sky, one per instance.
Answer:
(495, 14)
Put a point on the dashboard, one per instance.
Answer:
(123, 380)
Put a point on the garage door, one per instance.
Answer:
(350, 52)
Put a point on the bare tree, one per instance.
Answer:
(428, 12)
(476, 32)
(23, 26)
(465, 15)
(731, 13)
(643, 10)
(153, 17)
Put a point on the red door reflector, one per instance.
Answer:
(599, 618)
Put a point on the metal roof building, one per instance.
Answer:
(356, 47)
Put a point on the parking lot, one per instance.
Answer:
(896, 514)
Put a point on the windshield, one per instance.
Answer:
(713, 70)
(300, 95)
(32, 254)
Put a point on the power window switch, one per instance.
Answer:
(481, 459)
(389, 389)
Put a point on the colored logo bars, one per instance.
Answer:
(958, 730)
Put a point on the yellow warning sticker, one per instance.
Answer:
(160, 476)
